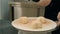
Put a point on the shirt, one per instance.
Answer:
(52, 10)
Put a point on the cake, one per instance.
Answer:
(42, 19)
(23, 20)
(36, 24)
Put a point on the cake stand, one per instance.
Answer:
(47, 29)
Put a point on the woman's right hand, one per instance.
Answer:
(58, 18)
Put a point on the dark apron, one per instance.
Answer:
(51, 12)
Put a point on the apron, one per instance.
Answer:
(51, 12)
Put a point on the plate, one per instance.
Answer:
(50, 27)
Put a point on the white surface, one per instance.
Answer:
(49, 27)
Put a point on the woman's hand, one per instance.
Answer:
(58, 17)
(58, 23)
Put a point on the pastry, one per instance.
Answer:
(23, 20)
(36, 24)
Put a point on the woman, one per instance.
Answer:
(52, 11)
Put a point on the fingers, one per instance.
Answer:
(58, 16)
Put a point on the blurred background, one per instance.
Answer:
(4, 9)
(5, 21)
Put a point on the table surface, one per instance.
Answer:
(4, 23)
(6, 27)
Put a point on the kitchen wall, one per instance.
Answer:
(4, 9)
(0, 9)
